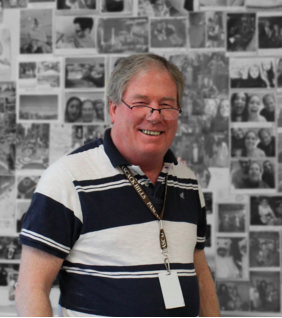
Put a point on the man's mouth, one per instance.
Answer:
(151, 133)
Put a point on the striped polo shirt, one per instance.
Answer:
(85, 211)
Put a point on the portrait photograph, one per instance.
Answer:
(84, 107)
(233, 296)
(255, 142)
(252, 73)
(270, 32)
(32, 147)
(215, 29)
(253, 174)
(75, 34)
(241, 32)
(164, 8)
(231, 258)
(36, 31)
(168, 33)
(123, 35)
(41, 107)
(197, 30)
(253, 106)
(266, 210)
(231, 217)
(264, 249)
(7, 204)
(85, 72)
(265, 291)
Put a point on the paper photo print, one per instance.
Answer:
(270, 32)
(7, 150)
(265, 291)
(5, 54)
(84, 107)
(7, 105)
(215, 30)
(7, 204)
(208, 196)
(231, 258)
(264, 249)
(76, 6)
(253, 142)
(231, 217)
(85, 72)
(253, 106)
(26, 186)
(252, 72)
(15, 4)
(197, 30)
(164, 8)
(32, 147)
(36, 31)
(266, 210)
(11, 248)
(123, 35)
(221, 4)
(253, 174)
(116, 7)
(233, 296)
(168, 33)
(241, 32)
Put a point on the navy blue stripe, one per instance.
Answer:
(91, 145)
(125, 297)
(137, 268)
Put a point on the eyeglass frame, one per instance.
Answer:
(153, 109)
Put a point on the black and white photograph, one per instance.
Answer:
(270, 32)
(7, 150)
(266, 210)
(253, 174)
(43, 107)
(75, 34)
(265, 249)
(76, 6)
(27, 75)
(215, 30)
(10, 248)
(168, 33)
(231, 217)
(252, 72)
(5, 270)
(7, 105)
(279, 73)
(36, 31)
(233, 296)
(26, 186)
(197, 30)
(206, 75)
(231, 258)
(32, 148)
(85, 72)
(265, 291)
(5, 54)
(84, 107)
(116, 7)
(7, 203)
(15, 4)
(164, 8)
(255, 106)
(262, 5)
(208, 196)
(241, 32)
(123, 35)
(253, 142)
(221, 4)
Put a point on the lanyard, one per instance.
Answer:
(149, 204)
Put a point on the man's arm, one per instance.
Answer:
(209, 306)
(38, 271)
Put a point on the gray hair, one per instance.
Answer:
(130, 66)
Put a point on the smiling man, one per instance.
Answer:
(120, 220)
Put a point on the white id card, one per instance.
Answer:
(171, 289)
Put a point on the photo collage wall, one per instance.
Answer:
(55, 61)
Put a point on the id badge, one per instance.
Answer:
(171, 290)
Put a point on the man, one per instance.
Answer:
(269, 107)
(267, 142)
(82, 37)
(88, 222)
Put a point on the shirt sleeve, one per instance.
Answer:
(54, 219)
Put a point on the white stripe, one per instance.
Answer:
(45, 240)
(201, 239)
(104, 188)
(131, 276)
(104, 185)
(136, 244)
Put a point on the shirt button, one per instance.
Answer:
(147, 184)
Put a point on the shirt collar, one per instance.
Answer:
(117, 159)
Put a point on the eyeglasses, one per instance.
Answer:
(141, 111)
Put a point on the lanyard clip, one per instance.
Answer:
(167, 264)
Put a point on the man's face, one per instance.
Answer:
(270, 103)
(265, 137)
(87, 112)
(254, 172)
(79, 32)
(137, 138)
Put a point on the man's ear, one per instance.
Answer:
(112, 108)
